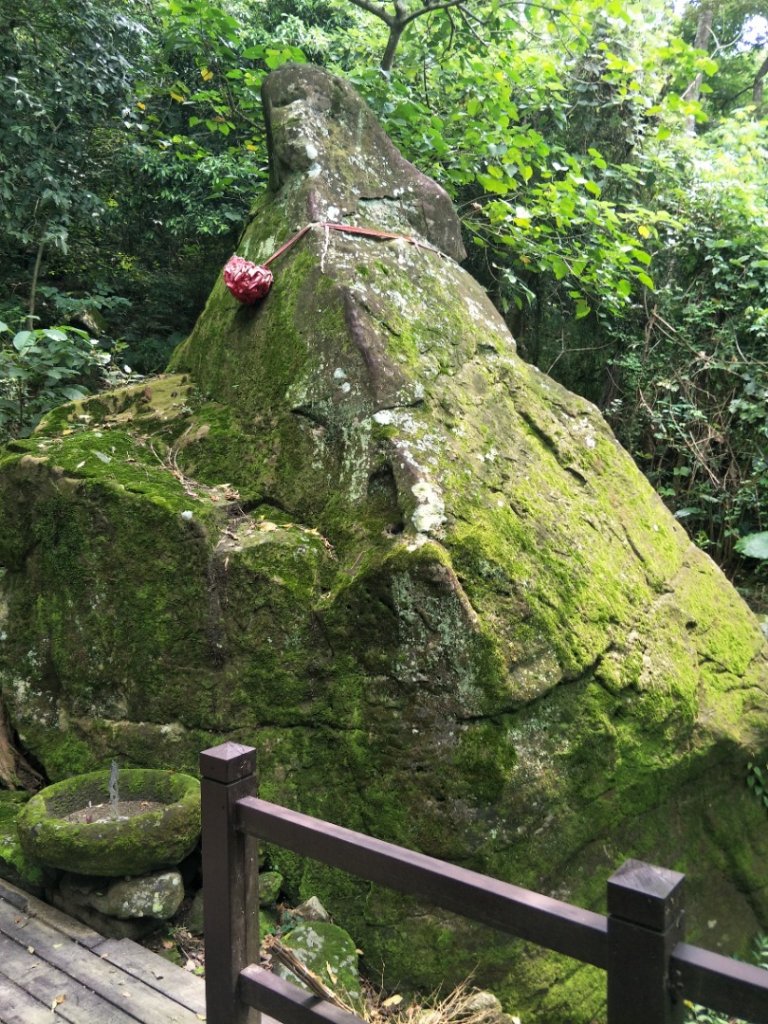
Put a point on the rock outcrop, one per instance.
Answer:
(353, 528)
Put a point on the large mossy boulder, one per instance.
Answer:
(353, 528)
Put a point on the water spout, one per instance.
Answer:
(114, 796)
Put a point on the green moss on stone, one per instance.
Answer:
(328, 951)
(14, 865)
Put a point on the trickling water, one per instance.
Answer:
(114, 796)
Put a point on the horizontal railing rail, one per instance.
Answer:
(720, 982)
(650, 970)
(528, 915)
(262, 990)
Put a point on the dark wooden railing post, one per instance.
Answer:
(645, 923)
(230, 882)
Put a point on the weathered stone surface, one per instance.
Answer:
(158, 895)
(311, 910)
(483, 1003)
(422, 578)
(111, 927)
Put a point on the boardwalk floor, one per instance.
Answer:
(53, 968)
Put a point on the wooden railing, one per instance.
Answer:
(650, 970)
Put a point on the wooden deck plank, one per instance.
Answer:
(18, 1007)
(34, 907)
(108, 981)
(185, 988)
(16, 897)
(47, 984)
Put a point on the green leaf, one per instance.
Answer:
(72, 394)
(754, 545)
(23, 340)
(708, 65)
(490, 184)
(559, 268)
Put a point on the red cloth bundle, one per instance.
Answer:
(247, 281)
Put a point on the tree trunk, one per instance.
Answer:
(757, 85)
(15, 771)
(703, 35)
(395, 31)
(33, 286)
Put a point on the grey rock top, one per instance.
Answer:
(321, 133)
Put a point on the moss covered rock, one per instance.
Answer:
(135, 844)
(353, 528)
(156, 896)
(14, 864)
(270, 884)
(330, 953)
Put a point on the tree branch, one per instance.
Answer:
(399, 21)
(465, 17)
(374, 9)
(429, 10)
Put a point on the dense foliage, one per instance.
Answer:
(608, 160)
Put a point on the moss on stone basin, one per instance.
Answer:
(131, 846)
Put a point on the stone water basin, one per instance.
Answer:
(156, 823)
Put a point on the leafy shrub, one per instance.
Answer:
(691, 371)
(757, 781)
(40, 369)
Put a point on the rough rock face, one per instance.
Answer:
(353, 528)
